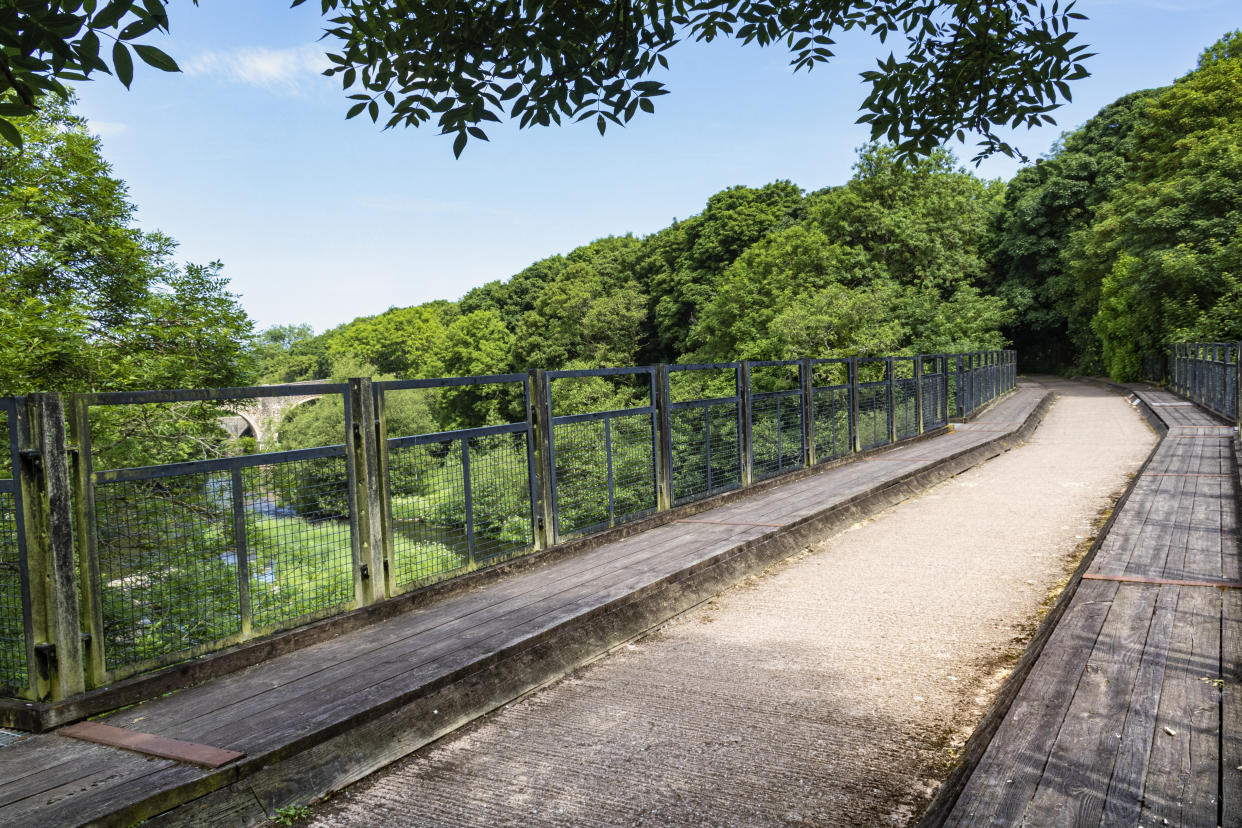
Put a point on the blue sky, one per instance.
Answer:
(246, 156)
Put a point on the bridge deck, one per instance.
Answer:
(319, 718)
(1132, 714)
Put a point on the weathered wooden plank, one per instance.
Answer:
(1231, 709)
(1204, 551)
(1084, 753)
(1009, 772)
(33, 770)
(1182, 772)
(1125, 789)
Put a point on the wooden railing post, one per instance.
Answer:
(855, 437)
(805, 368)
(385, 491)
(541, 421)
(664, 437)
(369, 578)
(48, 511)
(747, 444)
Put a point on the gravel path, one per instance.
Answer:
(832, 690)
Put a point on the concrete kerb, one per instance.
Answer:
(334, 757)
(946, 797)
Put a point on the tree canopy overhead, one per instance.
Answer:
(967, 66)
(964, 66)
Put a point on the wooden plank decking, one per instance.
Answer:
(1132, 714)
(318, 718)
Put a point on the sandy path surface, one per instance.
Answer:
(831, 690)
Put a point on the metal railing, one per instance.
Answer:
(1207, 373)
(111, 566)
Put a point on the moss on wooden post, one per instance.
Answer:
(49, 517)
(541, 424)
(368, 544)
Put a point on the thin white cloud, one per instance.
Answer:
(106, 129)
(280, 71)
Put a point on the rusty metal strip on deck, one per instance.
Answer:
(1135, 579)
(151, 745)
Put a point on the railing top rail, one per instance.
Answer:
(601, 372)
(734, 400)
(215, 464)
(565, 419)
(771, 363)
(208, 394)
(832, 361)
(703, 366)
(456, 434)
(765, 395)
(446, 382)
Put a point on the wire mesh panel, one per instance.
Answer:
(705, 439)
(872, 414)
(168, 565)
(298, 534)
(427, 493)
(460, 498)
(935, 403)
(706, 451)
(603, 462)
(12, 627)
(582, 475)
(829, 384)
(15, 640)
(776, 432)
(604, 470)
(831, 407)
(905, 398)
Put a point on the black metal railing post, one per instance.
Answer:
(852, 398)
(890, 365)
(805, 369)
(748, 446)
(918, 393)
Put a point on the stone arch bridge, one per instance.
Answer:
(260, 417)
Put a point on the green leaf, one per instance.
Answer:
(9, 133)
(111, 14)
(459, 144)
(155, 58)
(138, 28)
(123, 62)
